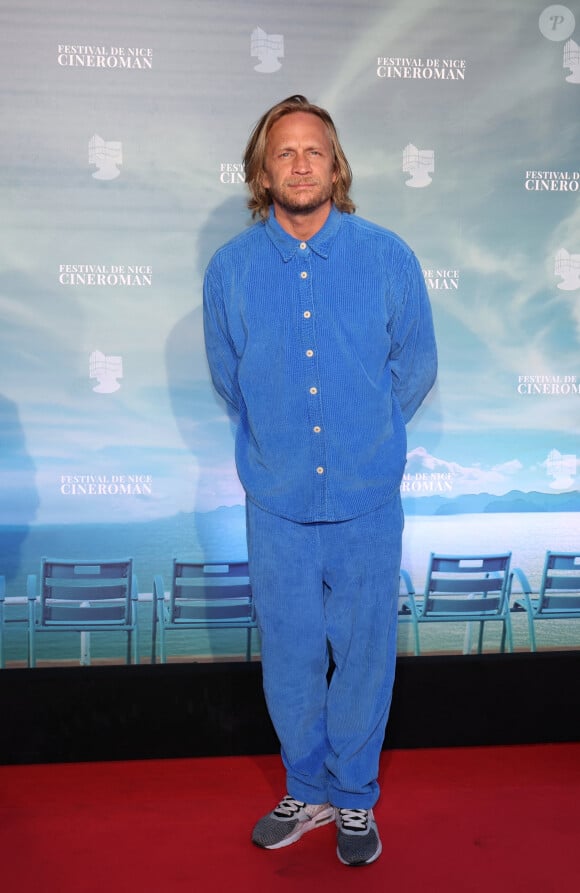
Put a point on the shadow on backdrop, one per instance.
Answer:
(18, 494)
(197, 408)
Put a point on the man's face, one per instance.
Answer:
(299, 168)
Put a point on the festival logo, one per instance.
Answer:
(567, 266)
(548, 386)
(426, 483)
(552, 181)
(106, 485)
(232, 173)
(268, 49)
(426, 475)
(420, 163)
(417, 69)
(442, 280)
(110, 275)
(106, 370)
(572, 61)
(104, 57)
(106, 156)
(557, 22)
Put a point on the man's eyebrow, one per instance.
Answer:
(282, 147)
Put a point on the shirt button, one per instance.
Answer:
(317, 429)
(302, 245)
(307, 314)
(314, 390)
(320, 470)
(309, 353)
(304, 274)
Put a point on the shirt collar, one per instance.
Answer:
(320, 242)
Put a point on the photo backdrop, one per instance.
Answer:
(121, 173)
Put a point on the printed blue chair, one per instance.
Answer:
(203, 595)
(558, 595)
(5, 621)
(405, 613)
(86, 596)
(465, 588)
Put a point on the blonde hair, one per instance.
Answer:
(255, 154)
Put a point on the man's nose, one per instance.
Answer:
(301, 162)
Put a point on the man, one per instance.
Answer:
(319, 336)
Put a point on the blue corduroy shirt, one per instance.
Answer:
(324, 349)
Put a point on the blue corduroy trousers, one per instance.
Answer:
(328, 589)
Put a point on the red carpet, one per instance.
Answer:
(462, 819)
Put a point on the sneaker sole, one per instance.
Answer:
(323, 818)
(370, 861)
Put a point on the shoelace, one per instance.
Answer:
(288, 807)
(354, 819)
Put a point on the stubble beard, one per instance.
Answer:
(296, 204)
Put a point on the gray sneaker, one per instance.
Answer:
(289, 821)
(358, 841)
